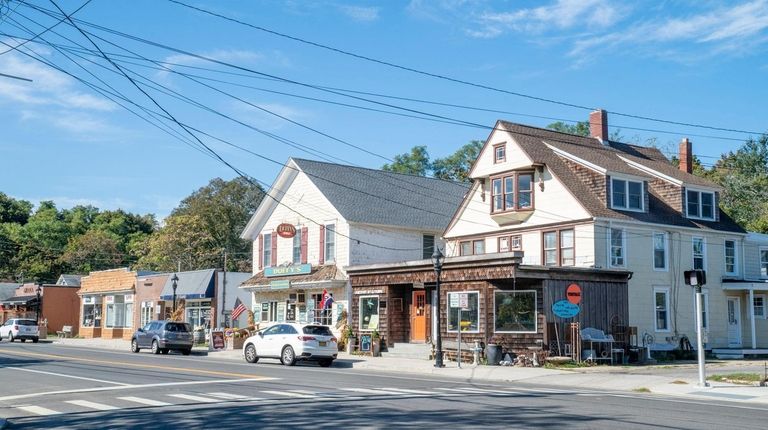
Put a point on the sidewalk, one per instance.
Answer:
(673, 379)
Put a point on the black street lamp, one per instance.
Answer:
(39, 302)
(437, 262)
(175, 279)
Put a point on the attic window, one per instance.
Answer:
(700, 204)
(626, 194)
(500, 153)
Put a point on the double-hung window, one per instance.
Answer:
(266, 252)
(559, 248)
(618, 247)
(700, 204)
(764, 262)
(297, 247)
(427, 246)
(499, 153)
(510, 243)
(471, 247)
(330, 243)
(731, 265)
(512, 192)
(627, 194)
(661, 308)
(699, 253)
(659, 251)
(759, 306)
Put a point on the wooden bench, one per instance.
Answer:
(451, 349)
(65, 331)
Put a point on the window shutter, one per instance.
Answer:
(303, 245)
(322, 245)
(261, 252)
(274, 248)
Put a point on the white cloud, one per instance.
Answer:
(361, 13)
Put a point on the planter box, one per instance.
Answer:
(351, 344)
(235, 343)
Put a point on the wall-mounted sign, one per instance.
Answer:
(88, 300)
(286, 230)
(110, 299)
(368, 291)
(573, 294)
(281, 284)
(129, 298)
(297, 269)
(565, 309)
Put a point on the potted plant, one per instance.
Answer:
(376, 342)
(350, 337)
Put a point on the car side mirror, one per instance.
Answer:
(141, 330)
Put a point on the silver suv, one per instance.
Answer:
(163, 336)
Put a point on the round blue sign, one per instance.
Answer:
(565, 309)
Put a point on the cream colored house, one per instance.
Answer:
(567, 200)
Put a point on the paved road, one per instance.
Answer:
(48, 386)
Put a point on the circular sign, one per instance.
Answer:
(573, 294)
(565, 309)
(286, 230)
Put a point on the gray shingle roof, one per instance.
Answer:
(8, 289)
(385, 198)
(69, 280)
(532, 140)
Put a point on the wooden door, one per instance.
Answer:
(419, 317)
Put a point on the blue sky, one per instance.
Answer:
(701, 62)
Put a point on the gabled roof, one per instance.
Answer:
(69, 280)
(376, 197)
(538, 143)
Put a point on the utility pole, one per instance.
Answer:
(224, 289)
(697, 278)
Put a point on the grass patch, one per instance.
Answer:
(737, 378)
(679, 382)
(566, 365)
(641, 390)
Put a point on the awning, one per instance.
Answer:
(191, 285)
(20, 301)
(746, 285)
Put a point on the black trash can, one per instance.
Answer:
(493, 354)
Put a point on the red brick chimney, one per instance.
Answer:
(598, 125)
(686, 156)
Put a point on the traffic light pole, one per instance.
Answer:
(700, 338)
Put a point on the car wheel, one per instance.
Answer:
(164, 351)
(35, 340)
(135, 346)
(186, 351)
(250, 354)
(23, 340)
(155, 347)
(325, 363)
(288, 357)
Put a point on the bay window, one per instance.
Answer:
(512, 192)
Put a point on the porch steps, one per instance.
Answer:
(408, 350)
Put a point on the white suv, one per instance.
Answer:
(18, 328)
(292, 342)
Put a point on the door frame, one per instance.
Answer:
(738, 339)
(412, 337)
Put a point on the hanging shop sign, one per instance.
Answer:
(565, 309)
(286, 230)
(297, 269)
(573, 294)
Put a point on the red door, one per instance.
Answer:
(419, 317)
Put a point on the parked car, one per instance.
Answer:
(163, 336)
(292, 342)
(20, 328)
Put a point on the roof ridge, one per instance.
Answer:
(410, 175)
(545, 129)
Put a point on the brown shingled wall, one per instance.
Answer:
(671, 194)
(108, 280)
(593, 180)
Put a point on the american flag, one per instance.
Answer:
(238, 309)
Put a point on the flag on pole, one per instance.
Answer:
(323, 298)
(238, 309)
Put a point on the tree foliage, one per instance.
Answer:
(454, 167)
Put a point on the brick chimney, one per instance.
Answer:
(598, 125)
(686, 156)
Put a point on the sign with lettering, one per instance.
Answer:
(217, 339)
(368, 291)
(297, 269)
(110, 299)
(464, 301)
(286, 230)
(453, 298)
(573, 294)
(565, 309)
(280, 284)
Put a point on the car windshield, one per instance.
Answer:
(178, 327)
(318, 330)
(26, 322)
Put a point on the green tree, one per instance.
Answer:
(40, 242)
(12, 210)
(415, 162)
(93, 250)
(456, 166)
(581, 128)
(185, 240)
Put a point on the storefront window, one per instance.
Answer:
(119, 311)
(146, 313)
(91, 311)
(198, 313)
(369, 313)
(470, 318)
(515, 311)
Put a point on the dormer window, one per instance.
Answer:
(500, 153)
(627, 195)
(512, 192)
(700, 204)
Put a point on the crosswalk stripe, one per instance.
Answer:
(377, 391)
(410, 391)
(476, 391)
(290, 394)
(38, 410)
(143, 401)
(195, 398)
(227, 396)
(91, 405)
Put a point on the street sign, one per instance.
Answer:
(454, 299)
(464, 301)
(573, 294)
(565, 309)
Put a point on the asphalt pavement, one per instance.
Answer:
(52, 386)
